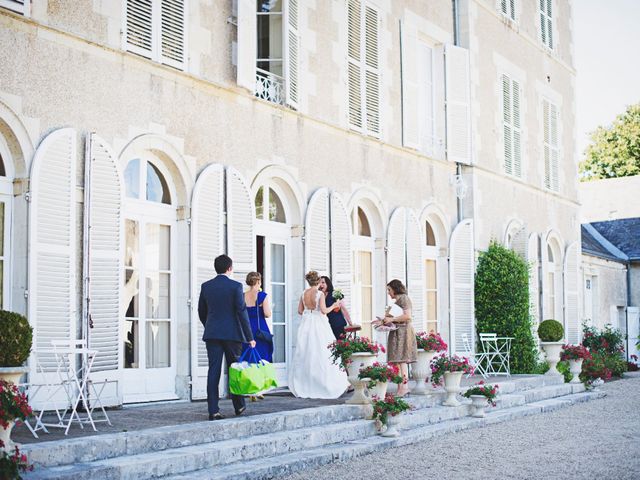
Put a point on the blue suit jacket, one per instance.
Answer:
(222, 311)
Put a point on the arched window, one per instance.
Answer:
(6, 193)
(275, 212)
(430, 259)
(154, 188)
(361, 225)
(363, 251)
(553, 280)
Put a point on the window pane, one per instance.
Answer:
(550, 253)
(157, 247)
(131, 291)
(431, 237)
(165, 247)
(131, 344)
(432, 327)
(278, 304)
(158, 294)
(258, 203)
(431, 274)
(132, 240)
(132, 178)
(2, 229)
(276, 210)
(364, 230)
(158, 345)
(277, 263)
(367, 309)
(432, 306)
(157, 190)
(365, 268)
(279, 344)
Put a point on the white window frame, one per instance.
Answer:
(156, 37)
(552, 169)
(359, 244)
(364, 69)
(508, 9)
(516, 130)
(19, 6)
(546, 19)
(431, 253)
(6, 197)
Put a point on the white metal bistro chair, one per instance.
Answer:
(497, 351)
(476, 359)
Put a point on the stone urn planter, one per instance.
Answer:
(12, 374)
(392, 427)
(380, 390)
(478, 403)
(421, 371)
(5, 437)
(358, 361)
(575, 367)
(552, 352)
(452, 387)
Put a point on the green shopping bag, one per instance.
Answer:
(251, 376)
(269, 374)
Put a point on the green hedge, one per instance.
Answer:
(502, 303)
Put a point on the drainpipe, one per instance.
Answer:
(626, 317)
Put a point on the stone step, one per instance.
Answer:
(157, 460)
(101, 447)
(266, 468)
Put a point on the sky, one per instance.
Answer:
(606, 36)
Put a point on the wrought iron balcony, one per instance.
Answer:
(269, 86)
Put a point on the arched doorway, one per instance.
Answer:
(363, 246)
(552, 280)
(273, 259)
(149, 294)
(6, 209)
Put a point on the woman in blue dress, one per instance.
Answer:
(259, 310)
(338, 318)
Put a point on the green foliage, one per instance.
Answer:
(563, 368)
(615, 150)
(550, 331)
(16, 336)
(502, 303)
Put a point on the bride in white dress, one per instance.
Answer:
(313, 374)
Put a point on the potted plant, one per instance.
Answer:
(575, 354)
(385, 411)
(550, 333)
(13, 406)
(378, 375)
(481, 394)
(451, 369)
(16, 336)
(429, 344)
(353, 354)
(12, 464)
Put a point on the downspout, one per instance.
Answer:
(626, 317)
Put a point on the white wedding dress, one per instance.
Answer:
(312, 373)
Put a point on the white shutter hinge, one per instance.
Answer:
(232, 20)
(225, 216)
(27, 196)
(188, 220)
(26, 293)
(189, 302)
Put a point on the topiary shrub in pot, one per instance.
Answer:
(551, 333)
(16, 336)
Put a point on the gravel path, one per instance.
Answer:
(597, 439)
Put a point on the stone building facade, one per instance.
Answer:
(366, 139)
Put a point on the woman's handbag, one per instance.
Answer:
(263, 335)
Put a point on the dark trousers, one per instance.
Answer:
(215, 350)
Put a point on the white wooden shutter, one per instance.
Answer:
(410, 86)
(52, 245)
(207, 242)
(241, 239)
(103, 264)
(546, 22)
(458, 104)
(247, 44)
(517, 137)
(19, 6)
(551, 153)
(426, 98)
(372, 70)
(415, 270)
(571, 286)
(292, 49)
(354, 55)
(519, 242)
(340, 247)
(461, 275)
(396, 238)
(534, 279)
(172, 32)
(511, 126)
(139, 29)
(316, 233)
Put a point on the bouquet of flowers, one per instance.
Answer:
(391, 405)
(379, 325)
(431, 342)
(337, 294)
(443, 363)
(574, 352)
(381, 372)
(489, 391)
(343, 348)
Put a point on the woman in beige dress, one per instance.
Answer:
(401, 345)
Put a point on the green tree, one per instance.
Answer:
(615, 150)
(502, 303)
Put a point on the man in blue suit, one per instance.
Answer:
(223, 313)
